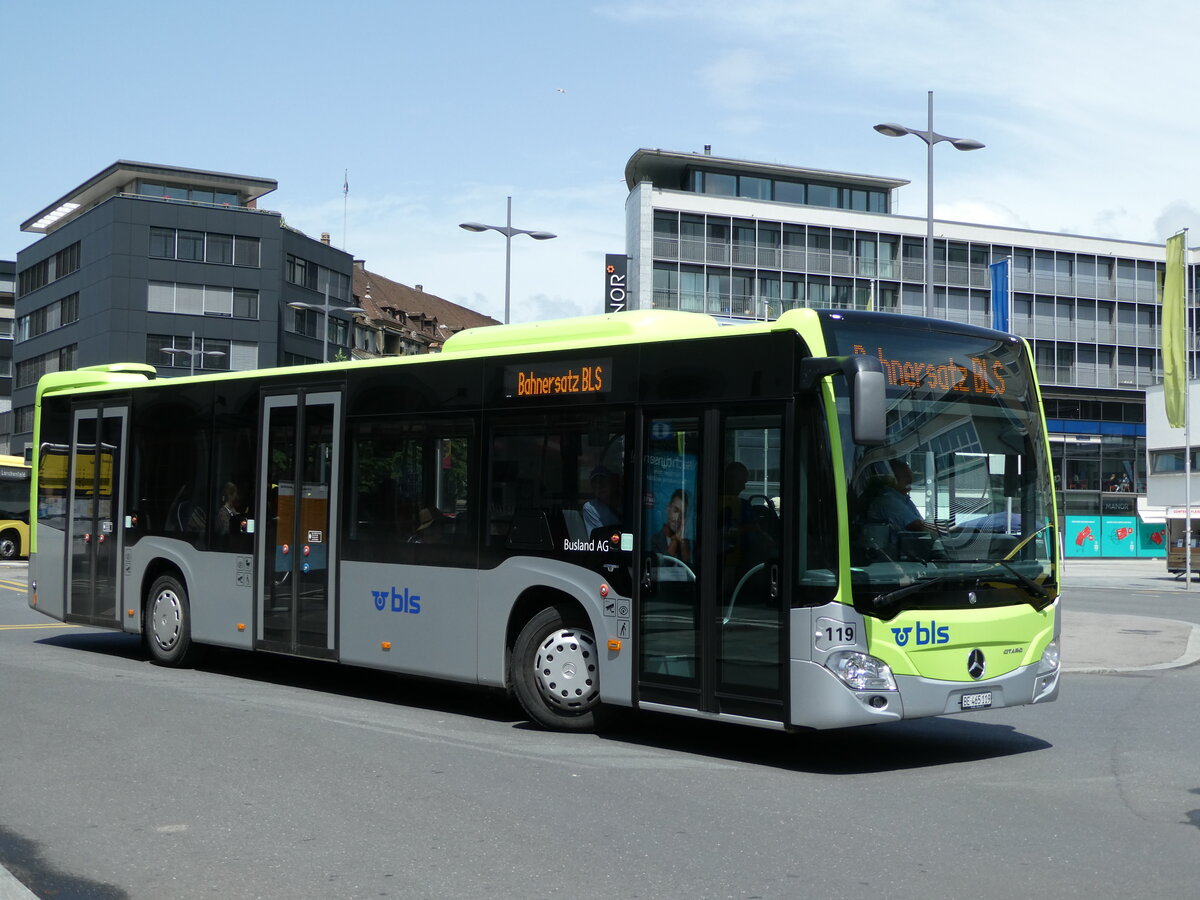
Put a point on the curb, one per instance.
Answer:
(12, 889)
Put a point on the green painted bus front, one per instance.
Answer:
(647, 509)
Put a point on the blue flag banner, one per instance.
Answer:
(1000, 302)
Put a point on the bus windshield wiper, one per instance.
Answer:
(975, 578)
(1024, 580)
(891, 597)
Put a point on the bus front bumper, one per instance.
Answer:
(821, 700)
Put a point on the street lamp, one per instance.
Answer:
(930, 137)
(508, 231)
(192, 353)
(326, 308)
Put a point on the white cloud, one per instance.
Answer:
(1174, 217)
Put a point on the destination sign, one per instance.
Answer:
(558, 379)
(969, 374)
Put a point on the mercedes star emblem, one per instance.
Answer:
(976, 665)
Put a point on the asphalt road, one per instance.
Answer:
(253, 776)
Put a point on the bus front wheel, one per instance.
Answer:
(10, 545)
(168, 625)
(555, 671)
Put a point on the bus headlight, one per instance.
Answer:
(860, 671)
(1050, 659)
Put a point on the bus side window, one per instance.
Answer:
(556, 488)
(234, 488)
(170, 465)
(409, 497)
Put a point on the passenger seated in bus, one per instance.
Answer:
(184, 515)
(744, 542)
(229, 515)
(430, 526)
(606, 491)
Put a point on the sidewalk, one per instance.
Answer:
(1096, 643)
(11, 889)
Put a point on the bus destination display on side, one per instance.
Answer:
(550, 379)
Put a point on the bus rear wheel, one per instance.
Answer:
(555, 670)
(168, 622)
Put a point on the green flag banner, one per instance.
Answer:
(1173, 326)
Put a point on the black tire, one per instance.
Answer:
(168, 622)
(10, 545)
(555, 671)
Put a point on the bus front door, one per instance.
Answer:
(712, 598)
(296, 543)
(94, 538)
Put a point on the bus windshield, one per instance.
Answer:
(955, 508)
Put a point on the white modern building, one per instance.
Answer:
(744, 239)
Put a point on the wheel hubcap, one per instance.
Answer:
(565, 669)
(166, 617)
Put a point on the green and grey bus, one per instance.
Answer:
(832, 519)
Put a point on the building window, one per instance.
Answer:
(23, 419)
(790, 192)
(53, 315)
(822, 195)
(180, 192)
(218, 248)
(297, 271)
(245, 304)
(30, 370)
(201, 300)
(210, 354)
(297, 359)
(304, 322)
(720, 184)
(162, 243)
(199, 246)
(48, 270)
(245, 251)
(190, 245)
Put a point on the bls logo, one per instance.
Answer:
(926, 634)
(400, 602)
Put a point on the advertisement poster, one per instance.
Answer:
(1152, 539)
(1119, 536)
(1083, 536)
(669, 501)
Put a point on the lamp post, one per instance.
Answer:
(326, 308)
(930, 137)
(192, 353)
(508, 231)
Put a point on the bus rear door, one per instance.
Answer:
(93, 532)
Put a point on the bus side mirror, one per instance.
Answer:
(868, 391)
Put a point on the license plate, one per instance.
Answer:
(977, 701)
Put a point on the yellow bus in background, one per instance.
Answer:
(14, 507)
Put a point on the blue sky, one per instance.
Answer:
(440, 110)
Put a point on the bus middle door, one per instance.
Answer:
(296, 545)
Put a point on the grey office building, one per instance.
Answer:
(179, 268)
